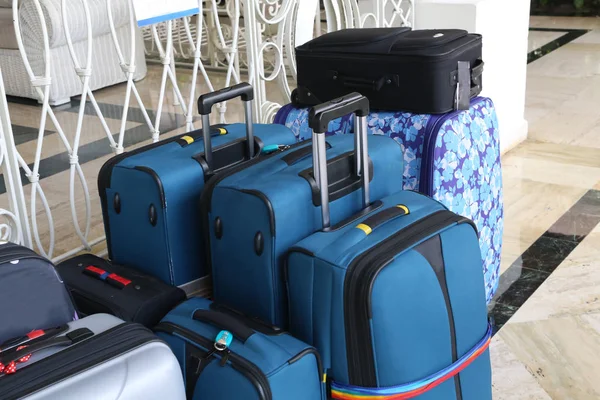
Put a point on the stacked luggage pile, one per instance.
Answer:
(343, 264)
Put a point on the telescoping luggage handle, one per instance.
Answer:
(319, 118)
(205, 105)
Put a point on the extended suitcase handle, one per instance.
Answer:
(205, 105)
(224, 321)
(319, 118)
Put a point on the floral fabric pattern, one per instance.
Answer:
(467, 175)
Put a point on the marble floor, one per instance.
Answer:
(548, 306)
(550, 288)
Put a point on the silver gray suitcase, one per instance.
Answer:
(99, 357)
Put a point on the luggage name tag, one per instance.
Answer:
(222, 343)
(462, 99)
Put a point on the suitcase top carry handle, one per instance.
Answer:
(224, 321)
(69, 339)
(321, 115)
(208, 100)
(318, 120)
(205, 105)
(376, 220)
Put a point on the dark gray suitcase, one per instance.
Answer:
(32, 295)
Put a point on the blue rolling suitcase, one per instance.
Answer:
(150, 196)
(225, 356)
(453, 158)
(394, 302)
(257, 213)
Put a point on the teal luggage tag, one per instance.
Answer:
(222, 343)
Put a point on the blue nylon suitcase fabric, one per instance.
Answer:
(150, 200)
(257, 214)
(394, 298)
(258, 364)
(454, 158)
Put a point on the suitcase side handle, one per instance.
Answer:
(205, 105)
(318, 119)
(224, 321)
(69, 339)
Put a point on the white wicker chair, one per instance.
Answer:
(65, 82)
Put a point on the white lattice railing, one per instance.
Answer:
(256, 37)
(14, 226)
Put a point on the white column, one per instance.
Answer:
(504, 25)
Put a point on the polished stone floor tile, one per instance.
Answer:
(538, 39)
(564, 22)
(562, 353)
(511, 378)
(572, 289)
(531, 208)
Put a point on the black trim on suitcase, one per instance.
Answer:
(226, 322)
(431, 250)
(227, 156)
(194, 366)
(267, 202)
(358, 285)
(105, 175)
(341, 175)
(159, 185)
(242, 365)
(304, 353)
(255, 323)
(71, 361)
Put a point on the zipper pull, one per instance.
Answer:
(222, 343)
(224, 357)
(272, 148)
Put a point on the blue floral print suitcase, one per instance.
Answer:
(454, 158)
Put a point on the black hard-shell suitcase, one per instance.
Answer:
(416, 71)
(99, 286)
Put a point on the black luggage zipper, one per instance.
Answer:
(407, 58)
(358, 285)
(242, 365)
(16, 252)
(74, 360)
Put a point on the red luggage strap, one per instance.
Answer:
(111, 278)
(413, 389)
